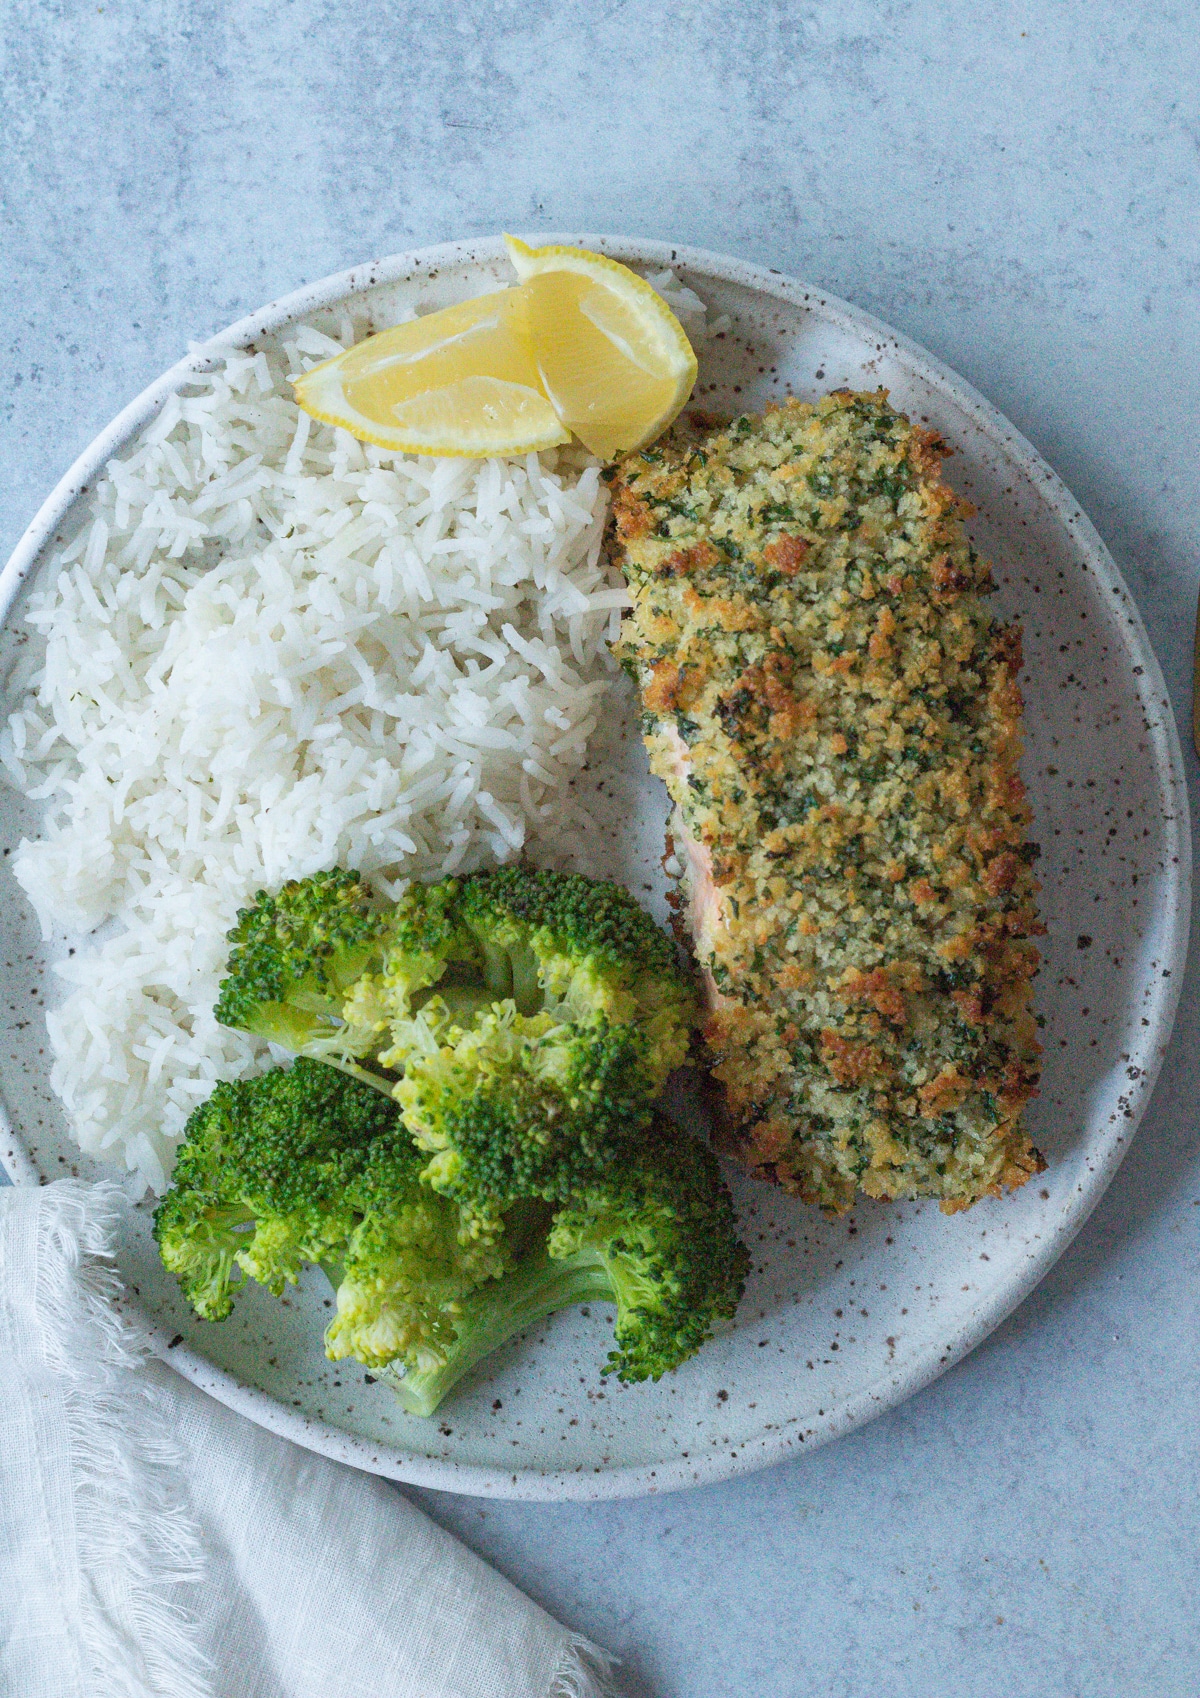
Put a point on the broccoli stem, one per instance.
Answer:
(496, 1312)
(381, 1082)
(497, 969)
(527, 986)
(465, 994)
(464, 1001)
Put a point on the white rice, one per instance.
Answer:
(272, 648)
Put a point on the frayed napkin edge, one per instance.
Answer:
(135, 1536)
(583, 1671)
(136, 1539)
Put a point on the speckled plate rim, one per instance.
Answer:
(1107, 1147)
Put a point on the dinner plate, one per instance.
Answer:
(842, 1318)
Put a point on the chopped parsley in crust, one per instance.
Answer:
(836, 715)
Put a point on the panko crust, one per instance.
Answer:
(836, 714)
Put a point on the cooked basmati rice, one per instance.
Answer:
(272, 648)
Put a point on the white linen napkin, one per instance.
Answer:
(154, 1543)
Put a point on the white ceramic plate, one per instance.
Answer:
(842, 1319)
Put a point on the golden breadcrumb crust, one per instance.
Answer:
(836, 715)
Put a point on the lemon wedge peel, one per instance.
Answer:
(582, 345)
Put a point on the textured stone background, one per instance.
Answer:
(1014, 185)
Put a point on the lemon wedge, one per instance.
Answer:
(611, 355)
(582, 345)
(463, 381)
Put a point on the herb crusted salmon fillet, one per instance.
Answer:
(836, 715)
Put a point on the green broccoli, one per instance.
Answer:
(294, 956)
(305, 1165)
(664, 1233)
(264, 1179)
(534, 1016)
(579, 950)
(490, 1316)
(658, 1240)
(496, 1154)
(408, 1263)
(523, 1107)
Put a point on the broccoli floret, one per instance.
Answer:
(596, 953)
(199, 1242)
(263, 1182)
(307, 1165)
(658, 1240)
(664, 1232)
(579, 950)
(519, 1107)
(410, 1260)
(535, 1018)
(294, 956)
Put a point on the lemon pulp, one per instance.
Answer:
(460, 381)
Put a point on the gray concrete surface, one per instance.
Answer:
(1015, 185)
